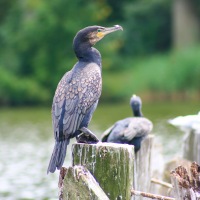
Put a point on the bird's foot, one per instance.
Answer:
(87, 136)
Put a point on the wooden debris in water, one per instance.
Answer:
(150, 195)
(186, 186)
(163, 183)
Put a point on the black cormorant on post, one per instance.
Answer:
(77, 94)
(130, 130)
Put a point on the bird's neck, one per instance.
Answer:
(137, 113)
(86, 53)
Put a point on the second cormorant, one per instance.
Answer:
(131, 130)
(77, 94)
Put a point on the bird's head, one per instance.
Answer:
(92, 34)
(136, 104)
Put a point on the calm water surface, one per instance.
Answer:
(26, 142)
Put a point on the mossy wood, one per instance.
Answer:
(191, 148)
(111, 164)
(78, 183)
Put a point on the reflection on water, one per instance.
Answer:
(26, 142)
(24, 150)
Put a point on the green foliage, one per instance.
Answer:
(36, 45)
(36, 48)
(147, 26)
(169, 73)
(17, 91)
(196, 5)
(177, 71)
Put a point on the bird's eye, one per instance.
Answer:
(98, 30)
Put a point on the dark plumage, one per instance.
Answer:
(130, 130)
(77, 94)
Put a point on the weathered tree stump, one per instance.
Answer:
(111, 164)
(186, 184)
(191, 147)
(78, 183)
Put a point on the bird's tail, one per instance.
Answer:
(58, 156)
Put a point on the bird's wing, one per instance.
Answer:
(115, 132)
(75, 95)
(106, 133)
(138, 127)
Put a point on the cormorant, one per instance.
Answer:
(131, 130)
(77, 94)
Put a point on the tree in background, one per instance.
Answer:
(36, 45)
(186, 23)
(36, 41)
(148, 27)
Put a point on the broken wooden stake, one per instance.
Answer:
(78, 183)
(186, 185)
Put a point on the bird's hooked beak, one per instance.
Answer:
(102, 32)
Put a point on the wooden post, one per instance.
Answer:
(111, 164)
(186, 185)
(77, 183)
(191, 148)
(143, 166)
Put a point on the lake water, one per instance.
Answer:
(26, 143)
